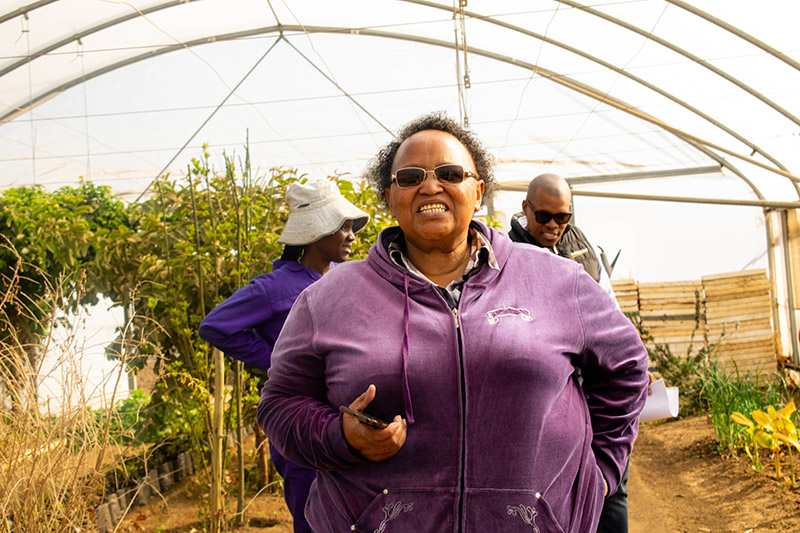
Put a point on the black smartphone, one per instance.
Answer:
(364, 418)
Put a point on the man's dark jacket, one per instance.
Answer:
(573, 244)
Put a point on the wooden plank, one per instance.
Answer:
(730, 329)
(750, 363)
(762, 372)
(752, 309)
(761, 281)
(688, 307)
(753, 340)
(745, 362)
(736, 288)
(750, 359)
(738, 301)
(657, 284)
(740, 337)
(740, 274)
(735, 292)
(670, 315)
(766, 347)
(743, 322)
(676, 325)
(764, 352)
(760, 308)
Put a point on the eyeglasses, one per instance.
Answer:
(409, 177)
(543, 217)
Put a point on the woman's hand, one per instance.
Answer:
(373, 444)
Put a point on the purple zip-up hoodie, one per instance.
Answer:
(501, 435)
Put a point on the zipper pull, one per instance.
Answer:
(455, 316)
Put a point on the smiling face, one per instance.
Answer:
(434, 215)
(546, 234)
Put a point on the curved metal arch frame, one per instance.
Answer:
(24, 10)
(702, 146)
(518, 29)
(85, 33)
(698, 143)
(622, 72)
(737, 32)
(781, 169)
(685, 53)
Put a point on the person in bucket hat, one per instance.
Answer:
(319, 231)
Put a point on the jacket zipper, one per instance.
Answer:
(462, 374)
(462, 477)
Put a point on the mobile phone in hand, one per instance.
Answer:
(364, 418)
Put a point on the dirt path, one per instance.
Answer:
(679, 483)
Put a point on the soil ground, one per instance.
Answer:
(678, 483)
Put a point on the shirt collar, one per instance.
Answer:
(481, 253)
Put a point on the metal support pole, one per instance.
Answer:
(773, 276)
(787, 259)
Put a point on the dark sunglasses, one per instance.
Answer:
(543, 217)
(409, 177)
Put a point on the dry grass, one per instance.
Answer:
(53, 460)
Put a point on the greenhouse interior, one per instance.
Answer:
(147, 146)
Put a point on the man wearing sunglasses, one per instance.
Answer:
(544, 222)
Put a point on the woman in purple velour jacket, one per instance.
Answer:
(320, 230)
(467, 345)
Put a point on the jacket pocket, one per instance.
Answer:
(412, 510)
(507, 511)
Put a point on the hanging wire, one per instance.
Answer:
(530, 79)
(330, 76)
(463, 82)
(340, 88)
(27, 33)
(82, 56)
(206, 121)
(196, 55)
(597, 104)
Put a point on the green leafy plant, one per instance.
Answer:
(189, 246)
(727, 392)
(47, 240)
(773, 430)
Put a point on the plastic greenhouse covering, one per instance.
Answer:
(635, 101)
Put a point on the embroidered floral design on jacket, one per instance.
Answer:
(528, 515)
(390, 512)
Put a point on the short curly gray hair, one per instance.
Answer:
(379, 170)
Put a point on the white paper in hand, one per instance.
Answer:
(662, 403)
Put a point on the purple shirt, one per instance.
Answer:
(246, 325)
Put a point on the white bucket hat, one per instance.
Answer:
(317, 209)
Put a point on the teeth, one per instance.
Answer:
(433, 208)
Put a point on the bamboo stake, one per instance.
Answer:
(216, 446)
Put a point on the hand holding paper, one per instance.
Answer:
(661, 403)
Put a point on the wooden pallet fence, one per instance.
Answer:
(739, 313)
(627, 294)
(671, 315)
(735, 312)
